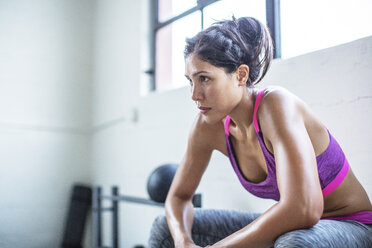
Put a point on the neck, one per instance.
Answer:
(242, 114)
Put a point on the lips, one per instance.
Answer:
(204, 110)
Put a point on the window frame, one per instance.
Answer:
(272, 21)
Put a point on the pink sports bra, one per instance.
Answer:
(332, 166)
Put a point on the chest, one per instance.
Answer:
(250, 158)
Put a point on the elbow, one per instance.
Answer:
(314, 210)
(311, 218)
(311, 214)
(305, 214)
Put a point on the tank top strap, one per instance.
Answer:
(227, 124)
(256, 104)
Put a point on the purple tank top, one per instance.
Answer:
(332, 164)
(332, 169)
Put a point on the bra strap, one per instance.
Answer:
(227, 124)
(256, 104)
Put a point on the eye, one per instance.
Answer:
(190, 81)
(204, 79)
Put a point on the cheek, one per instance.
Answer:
(221, 98)
(230, 96)
(215, 94)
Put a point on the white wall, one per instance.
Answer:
(120, 48)
(45, 91)
(70, 74)
(335, 82)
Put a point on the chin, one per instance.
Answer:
(211, 120)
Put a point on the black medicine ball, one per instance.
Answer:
(159, 182)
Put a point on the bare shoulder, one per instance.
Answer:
(206, 136)
(201, 143)
(274, 95)
(278, 102)
(283, 113)
(282, 105)
(280, 110)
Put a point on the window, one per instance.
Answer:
(168, 9)
(297, 27)
(170, 43)
(177, 20)
(226, 9)
(311, 25)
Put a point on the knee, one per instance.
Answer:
(160, 223)
(295, 239)
(160, 235)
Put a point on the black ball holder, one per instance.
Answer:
(115, 198)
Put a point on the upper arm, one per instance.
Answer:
(198, 153)
(282, 122)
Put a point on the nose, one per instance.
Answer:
(196, 93)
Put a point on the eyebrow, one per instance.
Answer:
(197, 73)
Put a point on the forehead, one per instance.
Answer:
(193, 64)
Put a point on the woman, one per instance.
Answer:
(278, 149)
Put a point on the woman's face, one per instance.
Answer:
(214, 91)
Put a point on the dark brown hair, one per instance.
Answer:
(230, 43)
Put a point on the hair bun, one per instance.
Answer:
(230, 43)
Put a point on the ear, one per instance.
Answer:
(242, 74)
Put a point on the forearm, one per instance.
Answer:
(268, 227)
(180, 215)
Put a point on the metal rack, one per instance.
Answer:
(115, 198)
